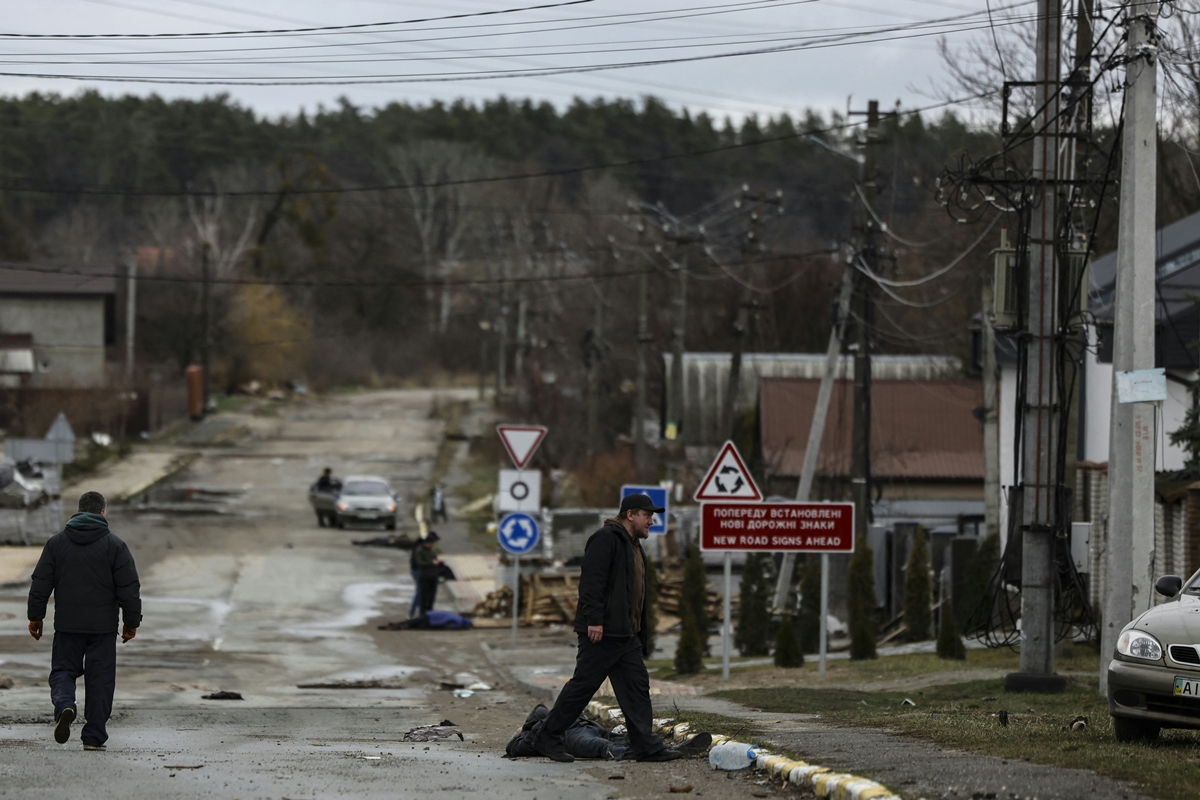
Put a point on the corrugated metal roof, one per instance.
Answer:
(919, 429)
(21, 281)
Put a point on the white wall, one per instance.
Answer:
(68, 337)
(1007, 419)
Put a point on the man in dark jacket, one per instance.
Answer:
(91, 574)
(611, 623)
(427, 565)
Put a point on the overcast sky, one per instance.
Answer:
(829, 50)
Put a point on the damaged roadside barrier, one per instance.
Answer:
(733, 755)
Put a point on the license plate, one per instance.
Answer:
(1187, 688)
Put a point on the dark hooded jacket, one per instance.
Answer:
(606, 591)
(91, 573)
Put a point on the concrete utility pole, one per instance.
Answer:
(643, 339)
(860, 475)
(205, 318)
(1041, 502)
(991, 424)
(678, 332)
(130, 311)
(1130, 534)
(593, 354)
(519, 382)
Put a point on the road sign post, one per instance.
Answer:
(734, 527)
(518, 534)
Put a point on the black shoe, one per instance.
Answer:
(666, 754)
(62, 729)
(697, 745)
(558, 753)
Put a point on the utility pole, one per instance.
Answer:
(593, 353)
(991, 423)
(130, 311)
(643, 340)
(519, 353)
(1041, 500)
(1130, 534)
(205, 318)
(860, 475)
(678, 332)
(485, 329)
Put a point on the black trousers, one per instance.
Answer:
(427, 589)
(94, 656)
(619, 660)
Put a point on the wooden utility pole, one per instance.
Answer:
(1131, 446)
(864, 303)
(1041, 502)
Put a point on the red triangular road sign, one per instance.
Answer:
(521, 441)
(728, 480)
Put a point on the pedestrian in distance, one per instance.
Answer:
(437, 504)
(428, 566)
(91, 574)
(611, 623)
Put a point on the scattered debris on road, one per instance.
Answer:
(367, 683)
(434, 733)
(222, 696)
(184, 766)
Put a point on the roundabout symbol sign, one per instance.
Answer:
(518, 533)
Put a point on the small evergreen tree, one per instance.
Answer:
(979, 582)
(787, 645)
(651, 603)
(809, 616)
(949, 643)
(693, 595)
(860, 581)
(917, 587)
(689, 653)
(1187, 436)
(753, 636)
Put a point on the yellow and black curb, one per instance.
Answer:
(823, 781)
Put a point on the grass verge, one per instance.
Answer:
(966, 716)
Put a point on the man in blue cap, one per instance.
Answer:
(611, 623)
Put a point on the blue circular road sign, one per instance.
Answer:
(518, 533)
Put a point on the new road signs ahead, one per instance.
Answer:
(521, 441)
(658, 496)
(778, 527)
(728, 480)
(520, 490)
(518, 533)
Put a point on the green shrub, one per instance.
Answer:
(693, 595)
(917, 588)
(860, 585)
(753, 636)
(689, 654)
(808, 615)
(787, 645)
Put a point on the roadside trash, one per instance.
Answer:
(1079, 723)
(371, 758)
(732, 755)
(462, 693)
(1003, 717)
(222, 696)
(433, 733)
(479, 686)
(908, 702)
(680, 789)
(6, 682)
(183, 766)
(102, 439)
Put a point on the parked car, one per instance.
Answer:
(366, 498)
(1154, 675)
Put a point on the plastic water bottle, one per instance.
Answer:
(732, 755)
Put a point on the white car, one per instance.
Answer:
(366, 498)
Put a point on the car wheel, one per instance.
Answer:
(1135, 730)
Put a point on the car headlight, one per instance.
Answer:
(1136, 644)
(343, 506)
(391, 507)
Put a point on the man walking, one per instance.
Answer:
(611, 623)
(91, 574)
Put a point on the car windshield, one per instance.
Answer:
(365, 488)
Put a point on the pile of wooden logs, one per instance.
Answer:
(670, 587)
(497, 605)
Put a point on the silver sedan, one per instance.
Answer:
(366, 498)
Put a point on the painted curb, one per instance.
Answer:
(823, 781)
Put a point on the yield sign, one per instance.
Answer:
(728, 479)
(521, 441)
